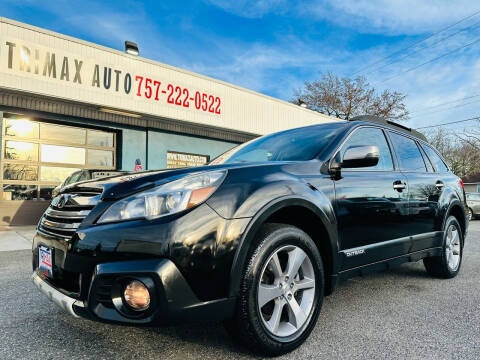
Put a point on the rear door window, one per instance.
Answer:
(436, 160)
(408, 153)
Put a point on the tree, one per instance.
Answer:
(346, 98)
(461, 151)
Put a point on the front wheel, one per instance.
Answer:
(281, 291)
(448, 264)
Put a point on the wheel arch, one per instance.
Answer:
(456, 209)
(298, 212)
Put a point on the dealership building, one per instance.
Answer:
(67, 104)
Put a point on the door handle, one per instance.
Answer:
(439, 185)
(399, 185)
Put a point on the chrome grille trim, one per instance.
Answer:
(63, 218)
(48, 233)
(59, 226)
(66, 214)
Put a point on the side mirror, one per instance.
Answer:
(360, 156)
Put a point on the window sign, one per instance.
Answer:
(179, 160)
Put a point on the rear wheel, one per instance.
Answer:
(281, 292)
(469, 214)
(448, 264)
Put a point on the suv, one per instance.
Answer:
(258, 237)
(473, 203)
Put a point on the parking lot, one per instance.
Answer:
(402, 313)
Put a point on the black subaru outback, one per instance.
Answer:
(258, 237)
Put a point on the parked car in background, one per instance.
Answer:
(473, 203)
(256, 238)
(84, 175)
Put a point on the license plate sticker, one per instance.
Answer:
(45, 261)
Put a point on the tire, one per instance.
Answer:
(255, 325)
(447, 265)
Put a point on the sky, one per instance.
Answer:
(425, 49)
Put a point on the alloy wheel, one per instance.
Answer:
(452, 247)
(286, 291)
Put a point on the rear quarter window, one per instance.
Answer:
(435, 159)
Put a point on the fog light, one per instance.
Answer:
(136, 295)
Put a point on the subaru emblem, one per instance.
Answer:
(63, 200)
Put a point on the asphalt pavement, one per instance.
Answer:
(396, 314)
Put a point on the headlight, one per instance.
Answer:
(166, 199)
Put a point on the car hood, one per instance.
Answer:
(116, 187)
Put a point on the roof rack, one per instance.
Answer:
(391, 124)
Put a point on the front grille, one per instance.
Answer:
(66, 213)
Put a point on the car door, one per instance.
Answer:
(474, 199)
(443, 177)
(424, 190)
(371, 204)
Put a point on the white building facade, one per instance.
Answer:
(66, 104)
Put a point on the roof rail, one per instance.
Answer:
(391, 124)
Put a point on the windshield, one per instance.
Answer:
(292, 145)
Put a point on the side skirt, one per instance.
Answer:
(389, 263)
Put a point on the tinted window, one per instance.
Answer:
(84, 176)
(73, 178)
(408, 154)
(292, 145)
(366, 137)
(437, 162)
(427, 161)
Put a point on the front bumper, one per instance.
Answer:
(172, 299)
(65, 302)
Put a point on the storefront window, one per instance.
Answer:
(65, 134)
(22, 128)
(55, 174)
(20, 172)
(38, 156)
(19, 150)
(19, 192)
(100, 157)
(46, 192)
(62, 154)
(100, 138)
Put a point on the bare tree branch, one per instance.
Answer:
(346, 98)
(460, 150)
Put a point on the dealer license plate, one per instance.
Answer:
(45, 261)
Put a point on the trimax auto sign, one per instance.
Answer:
(42, 63)
(66, 69)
